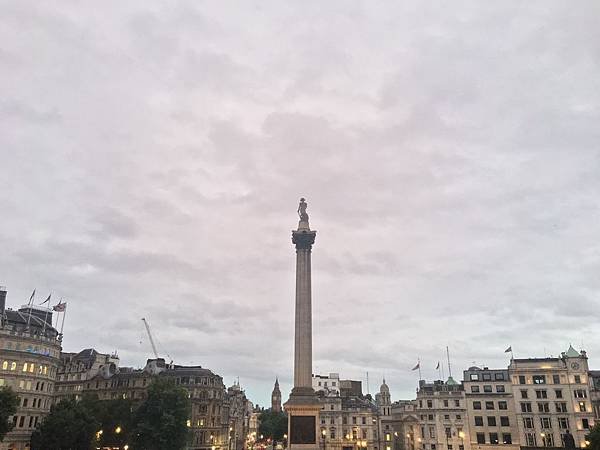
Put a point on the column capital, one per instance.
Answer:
(303, 239)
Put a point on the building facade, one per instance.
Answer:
(552, 397)
(29, 358)
(491, 416)
(219, 418)
(441, 411)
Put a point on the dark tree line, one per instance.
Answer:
(157, 423)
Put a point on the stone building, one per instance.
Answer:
(327, 384)
(276, 398)
(594, 377)
(29, 359)
(441, 411)
(218, 419)
(76, 369)
(553, 399)
(492, 419)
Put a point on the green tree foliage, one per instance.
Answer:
(273, 425)
(594, 437)
(8, 406)
(69, 426)
(115, 418)
(161, 420)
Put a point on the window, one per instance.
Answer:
(432, 432)
(474, 377)
(478, 421)
(525, 407)
(530, 439)
(445, 403)
(480, 438)
(506, 438)
(5, 365)
(577, 379)
(561, 407)
(364, 420)
(541, 393)
(502, 405)
(556, 379)
(558, 393)
(491, 420)
(332, 433)
(430, 417)
(448, 432)
(24, 367)
(500, 388)
(524, 393)
(522, 379)
(504, 422)
(563, 423)
(457, 403)
(474, 388)
(499, 376)
(549, 440)
(527, 422)
(487, 388)
(458, 417)
(487, 376)
(580, 393)
(585, 423)
(430, 403)
(545, 422)
(489, 405)
(543, 407)
(539, 379)
(476, 405)
(494, 438)
(582, 407)
(446, 416)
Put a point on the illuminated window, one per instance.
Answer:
(24, 367)
(5, 365)
(28, 385)
(189, 423)
(31, 367)
(1, 381)
(45, 370)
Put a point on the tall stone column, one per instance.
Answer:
(303, 406)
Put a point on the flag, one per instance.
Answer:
(47, 300)
(31, 298)
(418, 366)
(438, 366)
(508, 350)
(60, 307)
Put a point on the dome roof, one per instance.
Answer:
(384, 387)
(572, 353)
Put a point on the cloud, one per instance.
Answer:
(153, 155)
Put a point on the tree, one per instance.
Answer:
(161, 420)
(273, 425)
(594, 437)
(115, 419)
(8, 406)
(69, 426)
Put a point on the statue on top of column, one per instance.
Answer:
(302, 210)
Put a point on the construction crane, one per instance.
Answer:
(150, 336)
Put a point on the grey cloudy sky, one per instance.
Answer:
(153, 153)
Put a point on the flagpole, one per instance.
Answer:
(419, 363)
(29, 304)
(449, 368)
(63, 322)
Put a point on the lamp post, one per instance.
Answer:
(323, 435)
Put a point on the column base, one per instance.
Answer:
(303, 415)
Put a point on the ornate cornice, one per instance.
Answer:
(303, 239)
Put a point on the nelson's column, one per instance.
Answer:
(303, 406)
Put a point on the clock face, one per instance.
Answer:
(575, 366)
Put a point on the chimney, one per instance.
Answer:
(2, 300)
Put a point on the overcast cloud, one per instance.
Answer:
(153, 154)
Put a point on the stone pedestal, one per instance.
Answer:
(303, 406)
